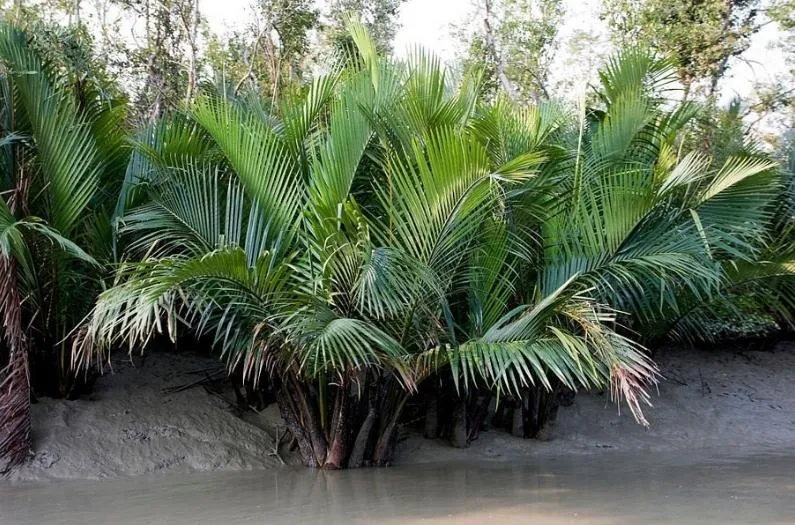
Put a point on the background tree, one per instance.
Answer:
(771, 109)
(168, 29)
(513, 43)
(701, 35)
(271, 52)
(378, 16)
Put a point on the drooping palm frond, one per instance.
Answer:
(563, 338)
(751, 290)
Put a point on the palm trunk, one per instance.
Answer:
(536, 412)
(482, 409)
(15, 435)
(459, 435)
(358, 454)
(431, 430)
(340, 430)
(363, 421)
(385, 446)
(299, 411)
(290, 416)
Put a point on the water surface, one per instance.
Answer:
(611, 488)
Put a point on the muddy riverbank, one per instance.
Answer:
(147, 419)
(723, 399)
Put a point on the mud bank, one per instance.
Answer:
(136, 422)
(144, 418)
(722, 400)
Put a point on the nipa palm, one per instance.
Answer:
(388, 227)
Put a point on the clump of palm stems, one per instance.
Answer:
(386, 228)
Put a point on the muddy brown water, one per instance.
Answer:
(691, 488)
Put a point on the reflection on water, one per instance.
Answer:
(609, 489)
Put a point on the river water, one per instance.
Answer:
(611, 488)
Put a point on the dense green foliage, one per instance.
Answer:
(62, 163)
(390, 226)
(376, 229)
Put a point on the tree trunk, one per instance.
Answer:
(491, 413)
(520, 413)
(548, 414)
(15, 435)
(363, 422)
(497, 54)
(532, 400)
(364, 445)
(459, 434)
(432, 418)
(357, 457)
(192, 28)
(310, 418)
(338, 450)
(480, 413)
(289, 414)
(15, 427)
(385, 446)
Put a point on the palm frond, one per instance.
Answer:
(63, 138)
